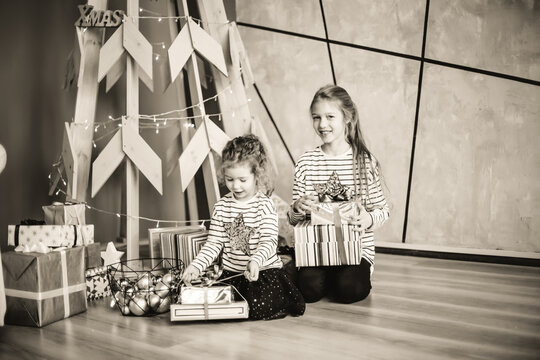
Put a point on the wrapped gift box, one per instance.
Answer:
(64, 214)
(191, 312)
(154, 236)
(318, 245)
(44, 288)
(324, 213)
(51, 235)
(97, 283)
(206, 295)
(92, 255)
(181, 243)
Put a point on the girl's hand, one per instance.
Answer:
(303, 204)
(252, 271)
(191, 273)
(363, 221)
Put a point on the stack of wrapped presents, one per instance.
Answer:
(327, 239)
(45, 275)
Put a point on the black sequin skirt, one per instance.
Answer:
(272, 296)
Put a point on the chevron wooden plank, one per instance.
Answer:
(216, 137)
(185, 133)
(143, 156)
(205, 45)
(148, 81)
(56, 178)
(138, 47)
(232, 93)
(179, 52)
(132, 119)
(193, 156)
(208, 166)
(115, 72)
(107, 161)
(85, 105)
(247, 73)
(70, 162)
(111, 52)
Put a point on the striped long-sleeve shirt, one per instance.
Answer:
(258, 218)
(315, 167)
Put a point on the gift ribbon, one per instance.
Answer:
(31, 295)
(339, 235)
(65, 283)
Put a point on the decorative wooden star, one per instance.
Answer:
(111, 256)
(239, 234)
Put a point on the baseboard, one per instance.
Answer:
(465, 254)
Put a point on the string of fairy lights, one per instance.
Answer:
(154, 122)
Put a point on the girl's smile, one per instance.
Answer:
(329, 124)
(240, 180)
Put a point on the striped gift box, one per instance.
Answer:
(316, 245)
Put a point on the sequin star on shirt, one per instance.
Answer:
(239, 234)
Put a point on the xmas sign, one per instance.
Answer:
(99, 18)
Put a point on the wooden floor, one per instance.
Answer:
(419, 308)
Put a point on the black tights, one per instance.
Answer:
(344, 284)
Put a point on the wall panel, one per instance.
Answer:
(497, 35)
(388, 24)
(476, 166)
(300, 16)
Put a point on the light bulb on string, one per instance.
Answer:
(49, 176)
(94, 143)
(117, 214)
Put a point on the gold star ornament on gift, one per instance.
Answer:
(239, 234)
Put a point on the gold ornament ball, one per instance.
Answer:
(138, 305)
(162, 289)
(153, 301)
(144, 282)
(125, 310)
(167, 278)
(3, 158)
(164, 306)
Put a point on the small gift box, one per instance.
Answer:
(324, 245)
(97, 283)
(51, 235)
(64, 214)
(191, 312)
(206, 295)
(179, 243)
(44, 288)
(332, 212)
(92, 255)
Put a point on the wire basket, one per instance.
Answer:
(145, 287)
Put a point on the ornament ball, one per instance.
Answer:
(3, 158)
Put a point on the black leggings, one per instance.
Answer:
(344, 284)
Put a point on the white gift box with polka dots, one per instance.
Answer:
(51, 235)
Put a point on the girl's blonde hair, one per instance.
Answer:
(353, 133)
(248, 149)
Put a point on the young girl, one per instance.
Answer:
(244, 225)
(344, 152)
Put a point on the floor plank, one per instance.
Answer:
(419, 308)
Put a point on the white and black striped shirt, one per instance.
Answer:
(316, 167)
(258, 213)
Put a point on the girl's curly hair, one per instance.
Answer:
(248, 149)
